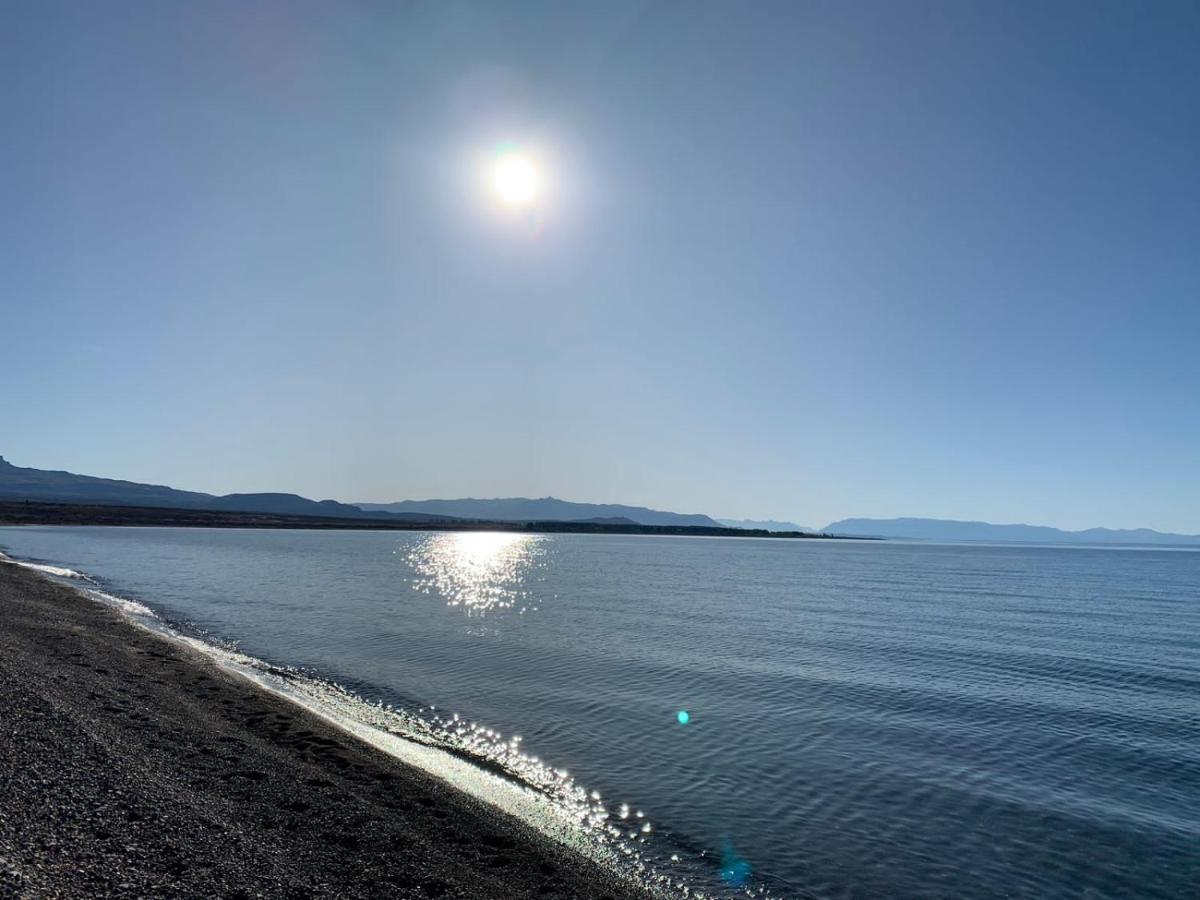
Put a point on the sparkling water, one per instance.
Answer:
(797, 718)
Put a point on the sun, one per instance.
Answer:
(515, 179)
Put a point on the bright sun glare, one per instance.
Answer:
(516, 180)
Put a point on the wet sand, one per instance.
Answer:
(134, 766)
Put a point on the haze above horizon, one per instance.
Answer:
(796, 261)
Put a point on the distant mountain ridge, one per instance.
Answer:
(18, 483)
(48, 486)
(954, 530)
(544, 509)
(766, 525)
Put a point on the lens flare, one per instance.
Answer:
(734, 869)
(683, 717)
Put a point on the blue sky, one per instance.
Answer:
(796, 260)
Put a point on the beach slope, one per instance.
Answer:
(134, 766)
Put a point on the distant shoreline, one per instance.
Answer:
(40, 513)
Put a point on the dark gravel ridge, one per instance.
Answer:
(134, 767)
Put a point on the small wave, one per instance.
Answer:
(129, 607)
(45, 569)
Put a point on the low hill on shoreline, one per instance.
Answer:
(525, 509)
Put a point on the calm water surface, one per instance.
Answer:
(865, 719)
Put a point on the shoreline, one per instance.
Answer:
(26, 512)
(134, 765)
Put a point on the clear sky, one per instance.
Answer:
(796, 260)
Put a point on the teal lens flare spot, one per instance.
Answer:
(683, 717)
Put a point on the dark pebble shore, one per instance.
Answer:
(132, 766)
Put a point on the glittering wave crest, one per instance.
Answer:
(482, 571)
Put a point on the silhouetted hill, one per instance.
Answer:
(39, 485)
(295, 505)
(545, 509)
(953, 530)
(283, 504)
(17, 483)
(765, 525)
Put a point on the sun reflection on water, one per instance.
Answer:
(483, 571)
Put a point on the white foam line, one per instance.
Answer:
(521, 801)
(58, 571)
(130, 608)
(530, 806)
(510, 796)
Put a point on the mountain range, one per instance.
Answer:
(19, 484)
(953, 530)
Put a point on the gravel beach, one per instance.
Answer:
(134, 766)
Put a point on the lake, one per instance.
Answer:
(796, 718)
